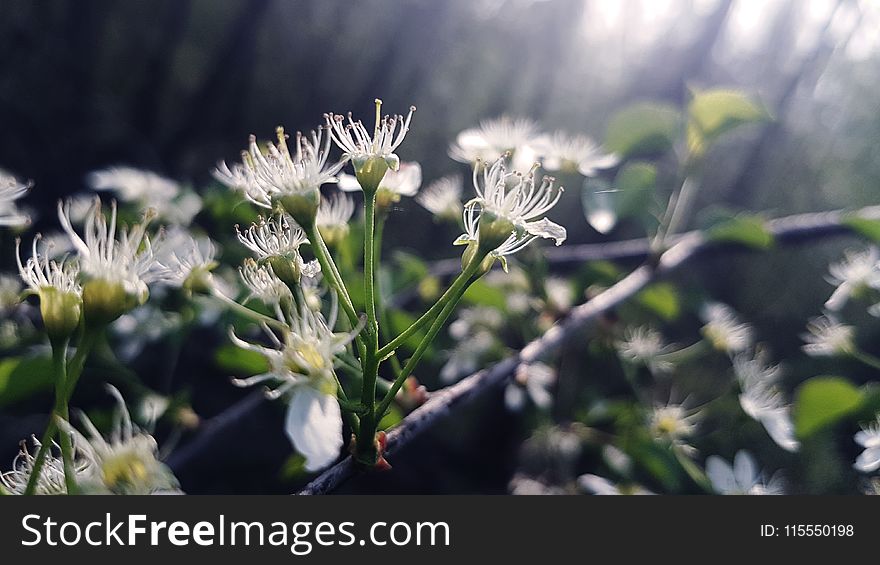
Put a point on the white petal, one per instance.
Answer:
(349, 183)
(745, 470)
(720, 475)
(868, 461)
(780, 427)
(597, 485)
(514, 398)
(547, 229)
(839, 297)
(314, 426)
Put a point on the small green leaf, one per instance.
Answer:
(482, 294)
(662, 299)
(240, 361)
(714, 112)
(747, 230)
(21, 377)
(400, 321)
(823, 401)
(294, 468)
(865, 227)
(643, 129)
(392, 418)
(635, 183)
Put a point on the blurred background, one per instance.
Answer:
(174, 86)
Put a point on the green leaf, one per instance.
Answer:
(643, 129)
(392, 418)
(714, 112)
(240, 361)
(662, 299)
(21, 377)
(823, 401)
(865, 227)
(635, 183)
(400, 321)
(482, 294)
(748, 230)
(294, 468)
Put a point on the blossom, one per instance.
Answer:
(869, 438)
(562, 152)
(644, 346)
(443, 197)
(263, 283)
(10, 191)
(371, 155)
(57, 285)
(827, 337)
(532, 380)
(280, 175)
(560, 295)
(51, 479)
(465, 358)
(723, 329)
(115, 256)
(493, 138)
(852, 275)
(521, 485)
(187, 259)
(301, 366)
(673, 422)
(503, 218)
(334, 213)
(762, 400)
(126, 461)
(595, 484)
(743, 477)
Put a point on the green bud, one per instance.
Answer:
(303, 208)
(199, 281)
(286, 269)
(104, 301)
(493, 231)
(370, 172)
(61, 312)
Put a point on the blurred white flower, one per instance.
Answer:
(531, 381)
(743, 477)
(126, 462)
(51, 479)
(140, 327)
(134, 185)
(262, 282)
(40, 273)
(504, 215)
(521, 485)
(723, 329)
(10, 291)
(827, 337)
(673, 422)
(852, 275)
(302, 366)
(127, 260)
(869, 438)
(187, 259)
(563, 152)
(467, 355)
(644, 346)
(358, 145)
(560, 294)
(443, 197)
(595, 484)
(763, 400)
(278, 173)
(11, 189)
(493, 138)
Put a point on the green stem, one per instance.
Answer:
(365, 449)
(866, 358)
(382, 312)
(447, 309)
(427, 317)
(59, 362)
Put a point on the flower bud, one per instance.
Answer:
(104, 301)
(61, 311)
(302, 207)
(370, 172)
(493, 231)
(287, 269)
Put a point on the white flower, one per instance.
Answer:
(828, 337)
(40, 273)
(521, 485)
(302, 366)
(534, 381)
(560, 295)
(185, 256)
(857, 271)
(10, 191)
(127, 260)
(510, 204)
(673, 422)
(762, 400)
(51, 480)
(334, 213)
(869, 438)
(723, 330)
(645, 346)
(743, 477)
(126, 461)
(278, 173)
(134, 185)
(493, 138)
(262, 282)
(466, 357)
(443, 197)
(361, 147)
(595, 484)
(562, 152)
(473, 319)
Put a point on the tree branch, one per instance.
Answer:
(787, 230)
